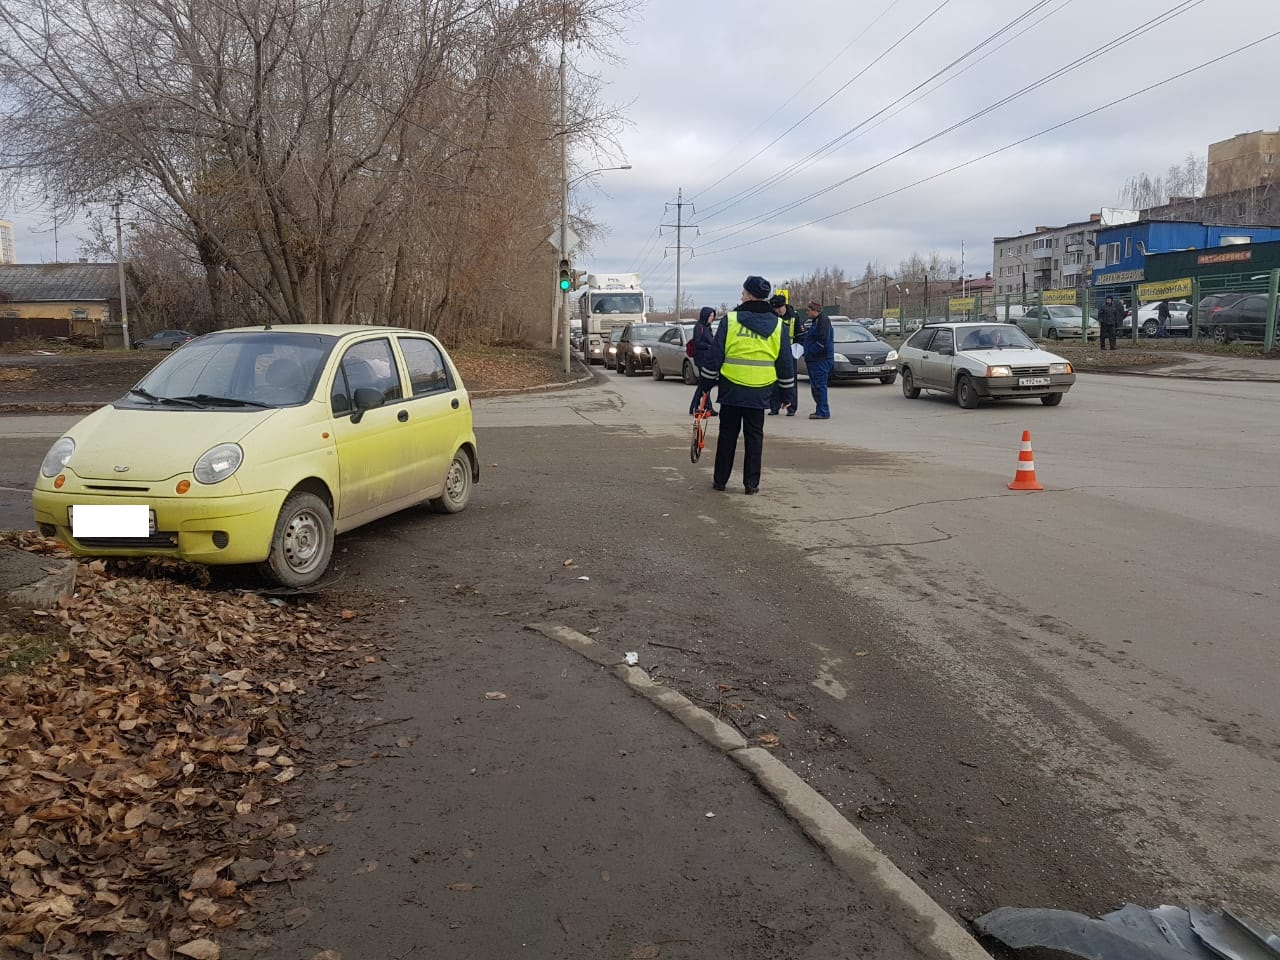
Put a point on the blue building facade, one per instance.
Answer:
(1122, 250)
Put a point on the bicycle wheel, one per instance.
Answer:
(695, 445)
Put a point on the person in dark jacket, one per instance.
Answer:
(751, 352)
(703, 334)
(819, 358)
(1109, 317)
(781, 396)
(1163, 313)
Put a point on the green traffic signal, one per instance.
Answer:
(564, 283)
(566, 276)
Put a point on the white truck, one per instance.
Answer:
(607, 300)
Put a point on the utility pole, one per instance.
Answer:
(124, 309)
(564, 204)
(680, 226)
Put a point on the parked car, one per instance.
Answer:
(611, 352)
(671, 354)
(1179, 324)
(1209, 306)
(1055, 322)
(164, 340)
(635, 347)
(977, 361)
(1245, 319)
(257, 445)
(860, 355)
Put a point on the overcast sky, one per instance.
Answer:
(709, 87)
(720, 97)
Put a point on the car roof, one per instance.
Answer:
(321, 329)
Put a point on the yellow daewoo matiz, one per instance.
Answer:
(259, 444)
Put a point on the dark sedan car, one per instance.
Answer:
(635, 347)
(1209, 308)
(860, 355)
(164, 340)
(1244, 319)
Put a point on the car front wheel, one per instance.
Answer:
(457, 485)
(1149, 328)
(301, 543)
(966, 392)
(1220, 335)
(1052, 399)
(657, 370)
(909, 388)
(688, 374)
(1053, 333)
(888, 381)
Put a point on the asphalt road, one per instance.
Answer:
(1062, 698)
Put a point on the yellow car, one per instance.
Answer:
(259, 444)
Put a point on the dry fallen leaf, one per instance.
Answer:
(646, 951)
(768, 739)
(200, 950)
(495, 695)
(461, 887)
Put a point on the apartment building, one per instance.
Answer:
(1245, 161)
(8, 252)
(1049, 258)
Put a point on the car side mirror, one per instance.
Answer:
(366, 398)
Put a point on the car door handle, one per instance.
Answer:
(402, 416)
(454, 403)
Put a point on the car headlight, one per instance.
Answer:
(891, 355)
(57, 457)
(613, 349)
(1059, 368)
(841, 358)
(999, 372)
(637, 350)
(218, 463)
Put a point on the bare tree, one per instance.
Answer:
(1186, 179)
(373, 160)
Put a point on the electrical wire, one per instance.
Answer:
(1096, 53)
(1008, 146)
(794, 168)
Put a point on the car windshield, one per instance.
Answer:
(617, 303)
(851, 333)
(648, 331)
(995, 336)
(248, 370)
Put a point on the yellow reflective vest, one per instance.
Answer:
(750, 359)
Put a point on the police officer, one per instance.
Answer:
(819, 358)
(781, 396)
(751, 352)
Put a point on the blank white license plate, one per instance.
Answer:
(872, 369)
(1033, 381)
(106, 520)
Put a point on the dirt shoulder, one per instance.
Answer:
(47, 381)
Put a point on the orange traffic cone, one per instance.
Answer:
(1025, 478)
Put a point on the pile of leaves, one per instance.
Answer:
(142, 766)
(490, 370)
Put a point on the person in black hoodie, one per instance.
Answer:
(751, 353)
(781, 397)
(703, 334)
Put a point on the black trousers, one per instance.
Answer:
(1107, 332)
(750, 422)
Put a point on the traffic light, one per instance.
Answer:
(579, 278)
(566, 276)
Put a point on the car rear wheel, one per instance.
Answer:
(657, 370)
(301, 543)
(966, 392)
(175, 345)
(1052, 399)
(457, 485)
(688, 374)
(909, 388)
(1149, 328)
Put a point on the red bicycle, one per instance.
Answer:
(700, 418)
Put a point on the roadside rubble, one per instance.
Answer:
(142, 766)
(1132, 933)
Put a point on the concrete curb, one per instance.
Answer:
(541, 388)
(926, 923)
(45, 588)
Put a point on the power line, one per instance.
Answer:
(804, 86)
(897, 43)
(1148, 26)
(1008, 146)
(786, 173)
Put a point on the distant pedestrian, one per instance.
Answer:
(751, 352)
(1109, 317)
(819, 358)
(703, 334)
(783, 397)
(1162, 320)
